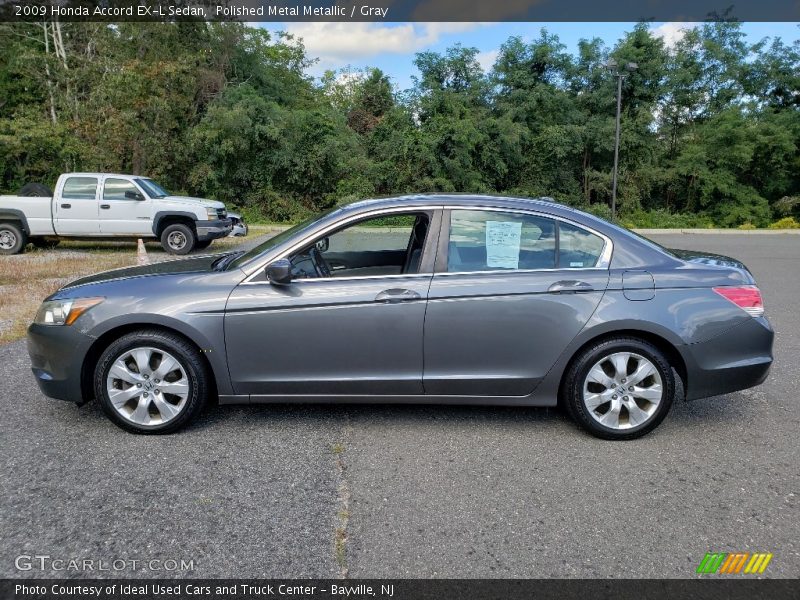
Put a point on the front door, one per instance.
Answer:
(511, 290)
(124, 210)
(351, 321)
(76, 206)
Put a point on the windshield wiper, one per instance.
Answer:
(225, 260)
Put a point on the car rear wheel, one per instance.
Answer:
(178, 239)
(12, 238)
(151, 382)
(619, 389)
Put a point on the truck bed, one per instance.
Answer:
(36, 211)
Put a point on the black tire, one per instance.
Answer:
(178, 238)
(573, 387)
(44, 243)
(12, 238)
(190, 360)
(35, 189)
(202, 245)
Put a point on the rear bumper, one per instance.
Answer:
(738, 359)
(212, 230)
(57, 355)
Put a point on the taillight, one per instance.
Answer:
(746, 297)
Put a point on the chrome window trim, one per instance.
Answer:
(603, 262)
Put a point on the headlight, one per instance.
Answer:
(64, 312)
(212, 214)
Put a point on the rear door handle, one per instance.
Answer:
(66, 206)
(397, 295)
(105, 206)
(570, 287)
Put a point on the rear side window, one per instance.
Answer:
(578, 248)
(80, 188)
(114, 189)
(499, 241)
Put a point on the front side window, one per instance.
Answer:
(80, 188)
(375, 247)
(498, 241)
(152, 188)
(115, 189)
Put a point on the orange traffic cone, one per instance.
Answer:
(141, 254)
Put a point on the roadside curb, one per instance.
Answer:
(720, 231)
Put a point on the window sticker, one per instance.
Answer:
(503, 240)
(576, 264)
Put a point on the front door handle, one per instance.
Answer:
(66, 206)
(570, 287)
(397, 295)
(105, 206)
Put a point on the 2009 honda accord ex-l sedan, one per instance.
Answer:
(451, 299)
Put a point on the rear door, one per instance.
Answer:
(124, 209)
(75, 206)
(506, 299)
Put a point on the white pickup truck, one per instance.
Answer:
(109, 206)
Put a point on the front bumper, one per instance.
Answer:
(57, 356)
(212, 230)
(737, 359)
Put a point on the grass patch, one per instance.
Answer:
(27, 279)
(340, 550)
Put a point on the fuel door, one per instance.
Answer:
(638, 285)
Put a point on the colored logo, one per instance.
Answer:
(734, 562)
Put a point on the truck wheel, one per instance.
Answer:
(178, 239)
(35, 189)
(12, 238)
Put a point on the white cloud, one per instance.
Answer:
(337, 44)
(673, 32)
(487, 59)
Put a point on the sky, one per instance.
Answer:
(391, 46)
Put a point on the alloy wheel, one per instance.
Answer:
(147, 386)
(622, 390)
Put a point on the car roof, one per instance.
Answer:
(456, 200)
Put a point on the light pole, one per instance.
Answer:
(617, 72)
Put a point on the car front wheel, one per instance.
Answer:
(619, 389)
(151, 382)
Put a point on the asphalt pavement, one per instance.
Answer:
(403, 491)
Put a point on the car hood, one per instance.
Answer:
(196, 264)
(190, 201)
(707, 258)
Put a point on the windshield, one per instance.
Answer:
(152, 188)
(276, 239)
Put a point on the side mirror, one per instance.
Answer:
(129, 195)
(280, 272)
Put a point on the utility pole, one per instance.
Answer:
(620, 75)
